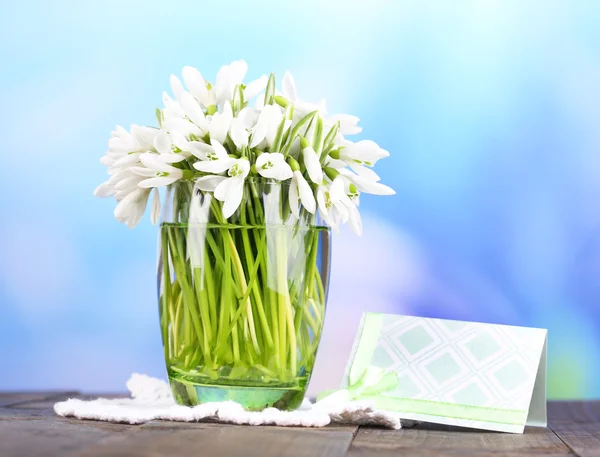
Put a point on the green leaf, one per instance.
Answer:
(270, 90)
(278, 136)
(159, 117)
(238, 99)
(296, 130)
(318, 136)
(330, 138)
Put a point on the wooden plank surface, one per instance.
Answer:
(12, 398)
(225, 440)
(430, 439)
(29, 427)
(577, 424)
(574, 411)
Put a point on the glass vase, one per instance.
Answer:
(242, 300)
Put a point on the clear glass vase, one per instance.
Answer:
(242, 300)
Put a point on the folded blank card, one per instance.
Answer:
(468, 374)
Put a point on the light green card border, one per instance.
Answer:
(449, 410)
(364, 347)
(360, 358)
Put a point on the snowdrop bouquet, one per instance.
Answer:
(251, 175)
(212, 135)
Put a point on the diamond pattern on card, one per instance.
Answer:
(512, 375)
(443, 369)
(449, 361)
(482, 347)
(416, 339)
(474, 393)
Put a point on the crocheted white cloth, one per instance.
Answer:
(151, 399)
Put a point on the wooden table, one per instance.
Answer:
(29, 428)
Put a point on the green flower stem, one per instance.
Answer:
(243, 287)
(252, 305)
(261, 245)
(285, 306)
(189, 301)
(210, 292)
(166, 298)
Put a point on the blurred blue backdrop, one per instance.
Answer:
(490, 109)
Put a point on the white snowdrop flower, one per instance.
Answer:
(193, 111)
(366, 185)
(238, 133)
(155, 213)
(266, 127)
(206, 127)
(365, 152)
(217, 160)
(174, 147)
(255, 87)
(198, 87)
(228, 77)
(348, 123)
(159, 173)
(335, 206)
(300, 191)
(221, 123)
(132, 207)
(273, 165)
(231, 190)
(311, 161)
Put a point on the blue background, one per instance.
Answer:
(490, 109)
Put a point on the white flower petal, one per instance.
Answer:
(237, 71)
(127, 160)
(176, 86)
(238, 133)
(222, 189)
(221, 122)
(131, 208)
(209, 183)
(162, 143)
(158, 182)
(179, 140)
(193, 110)
(144, 136)
(259, 133)
(273, 165)
(293, 198)
(155, 213)
(153, 162)
(196, 84)
(172, 106)
(142, 171)
(313, 166)
(200, 150)
(183, 126)
(289, 87)
(255, 87)
(368, 186)
(306, 194)
(355, 219)
(365, 151)
(104, 190)
(127, 183)
(249, 117)
(219, 150)
(215, 166)
(348, 123)
(336, 190)
(365, 172)
(234, 197)
(173, 158)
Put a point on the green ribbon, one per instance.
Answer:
(372, 381)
